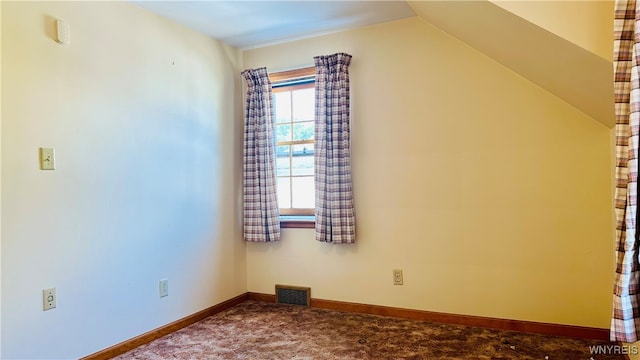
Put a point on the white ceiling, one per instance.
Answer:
(576, 75)
(250, 24)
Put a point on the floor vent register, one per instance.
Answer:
(294, 295)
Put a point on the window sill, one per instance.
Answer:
(297, 222)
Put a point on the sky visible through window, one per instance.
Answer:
(294, 110)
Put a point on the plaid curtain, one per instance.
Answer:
(625, 323)
(335, 219)
(261, 212)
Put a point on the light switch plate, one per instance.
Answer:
(47, 158)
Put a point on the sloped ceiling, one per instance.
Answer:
(586, 23)
(562, 46)
(249, 24)
(579, 76)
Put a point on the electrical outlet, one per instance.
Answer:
(163, 287)
(48, 299)
(397, 277)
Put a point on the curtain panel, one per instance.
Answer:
(625, 323)
(261, 213)
(335, 218)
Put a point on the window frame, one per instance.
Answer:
(292, 217)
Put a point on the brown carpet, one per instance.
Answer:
(256, 330)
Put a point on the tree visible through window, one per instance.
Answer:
(294, 103)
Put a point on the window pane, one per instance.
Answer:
(304, 192)
(283, 164)
(303, 131)
(282, 105)
(283, 132)
(303, 104)
(284, 192)
(302, 161)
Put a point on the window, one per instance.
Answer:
(294, 104)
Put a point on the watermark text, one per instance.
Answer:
(614, 349)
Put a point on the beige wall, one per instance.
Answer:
(146, 122)
(492, 195)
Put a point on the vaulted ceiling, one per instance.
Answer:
(562, 46)
(551, 52)
(250, 24)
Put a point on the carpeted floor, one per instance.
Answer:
(256, 330)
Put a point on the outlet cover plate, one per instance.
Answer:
(397, 277)
(163, 287)
(48, 299)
